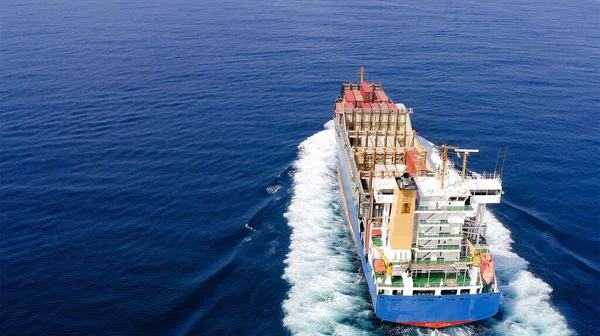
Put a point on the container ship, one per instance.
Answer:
(417, 218)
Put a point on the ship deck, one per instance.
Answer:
(413, 214)
(431, 281)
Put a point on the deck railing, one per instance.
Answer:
(434, 262)
(484, 176)
(439, 247)
(439, 235)
(483, 248)
(442, 221)
(445, 208)
(462, 281)
(433, 222)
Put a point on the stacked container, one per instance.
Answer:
(380, 97)
(349, 96)
(367, 92)
(358, 96)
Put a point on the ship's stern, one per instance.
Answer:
(437, 311)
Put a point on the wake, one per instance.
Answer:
(325, 283)
(328, 293)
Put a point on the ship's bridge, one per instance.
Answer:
(481, 188)
(484, 188)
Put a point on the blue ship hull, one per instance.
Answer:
(427, 311)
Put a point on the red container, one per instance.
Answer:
(366, 105)
(392, 107)
(339, 106)
(358, 96)
(349, 106)
(415, 163)
(349, 96)
(383, 106)
(381, 97)
(367, 91)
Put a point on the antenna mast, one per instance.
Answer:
(362, 74)
(497, 159)
(503, 160)
(444, 159)
(465, 153)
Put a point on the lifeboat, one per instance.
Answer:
(487, 267)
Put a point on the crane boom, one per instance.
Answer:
(476, 255)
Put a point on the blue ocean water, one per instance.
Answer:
(152, 183)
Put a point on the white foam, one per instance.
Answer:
(329, 296)
(526, 303)
(273, 189)
(326, 292)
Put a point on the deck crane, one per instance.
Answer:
(476, 255)
(388, 265)
(487, 266)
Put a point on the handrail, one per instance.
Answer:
(434, 262)
(441, 221)
(484, 176)
(465, 282)
(439, 247)
(445, 208)
(442, 235)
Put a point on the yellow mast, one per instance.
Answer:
(444, 159)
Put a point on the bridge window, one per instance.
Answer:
(448, 291)
(491, 192)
